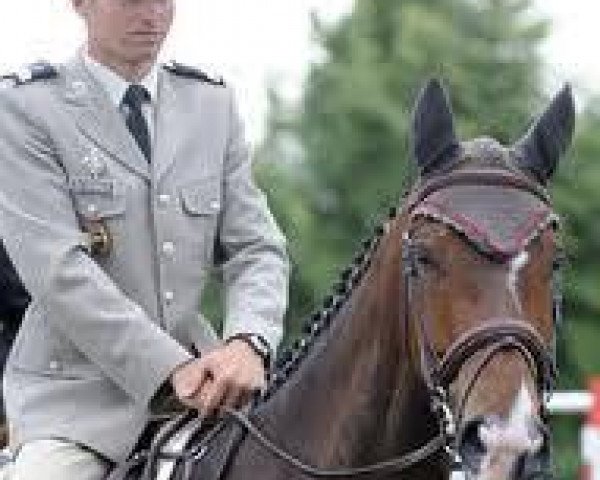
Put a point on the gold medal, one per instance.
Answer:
(100, 238)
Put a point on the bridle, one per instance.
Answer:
(488, 339)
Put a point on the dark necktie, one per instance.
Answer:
(134, 98)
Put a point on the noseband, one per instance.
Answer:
(493, 335)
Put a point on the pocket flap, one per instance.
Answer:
(203, 198)
(98, 197)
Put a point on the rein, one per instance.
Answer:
(395, 465)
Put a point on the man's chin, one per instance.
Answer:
(142, 56)
(143, 50)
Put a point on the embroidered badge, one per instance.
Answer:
(95, 163)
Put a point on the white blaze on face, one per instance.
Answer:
(506, 441)
(516, 265)
(522, 414)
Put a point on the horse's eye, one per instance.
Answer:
(425, 258)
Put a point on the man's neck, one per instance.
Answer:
(131, 71)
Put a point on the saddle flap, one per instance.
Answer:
(183, 449)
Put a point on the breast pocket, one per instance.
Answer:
(98, 198)
(201, 204)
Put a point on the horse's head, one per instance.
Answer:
(479, 258)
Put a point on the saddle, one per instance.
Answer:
(184, 446)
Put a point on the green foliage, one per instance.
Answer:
(578, 197)
(333, 163)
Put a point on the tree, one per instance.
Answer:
(577, 197)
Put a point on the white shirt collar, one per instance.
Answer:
(115, 85)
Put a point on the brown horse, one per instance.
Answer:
(435, 353)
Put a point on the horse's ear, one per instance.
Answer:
(548, 138)
(433, 127)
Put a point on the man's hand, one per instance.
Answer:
(227, 376)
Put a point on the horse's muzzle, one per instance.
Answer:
(491, 451)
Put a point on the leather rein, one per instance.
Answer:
(490, 338)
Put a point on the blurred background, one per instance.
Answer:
(326, 87)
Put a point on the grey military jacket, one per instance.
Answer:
(103, 332)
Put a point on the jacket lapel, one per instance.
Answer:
(99, 120)
(168, 129)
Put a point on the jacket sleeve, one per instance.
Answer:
(256, 268)
(44, 241)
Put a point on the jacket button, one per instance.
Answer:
(54, 365)
(168, 248)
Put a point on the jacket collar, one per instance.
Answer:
(98, 119)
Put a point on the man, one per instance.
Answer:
(118, 179)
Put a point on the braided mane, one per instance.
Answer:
(319, 322)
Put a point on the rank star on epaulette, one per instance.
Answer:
(186, 71)
(8, 80)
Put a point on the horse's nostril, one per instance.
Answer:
(471, 447)
(533, 465)
(522, 466)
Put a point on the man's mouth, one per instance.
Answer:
(147, 35)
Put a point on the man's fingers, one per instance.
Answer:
(191, 403)
(212, 395)
(235, 396)
(188, 388)
(190, 379)
(206, 377)
(229, 376)
(240, 392)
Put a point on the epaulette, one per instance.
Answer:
(186, 71)
(31, 73)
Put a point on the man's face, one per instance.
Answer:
(126, 31)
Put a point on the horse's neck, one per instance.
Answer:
(355, 398)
